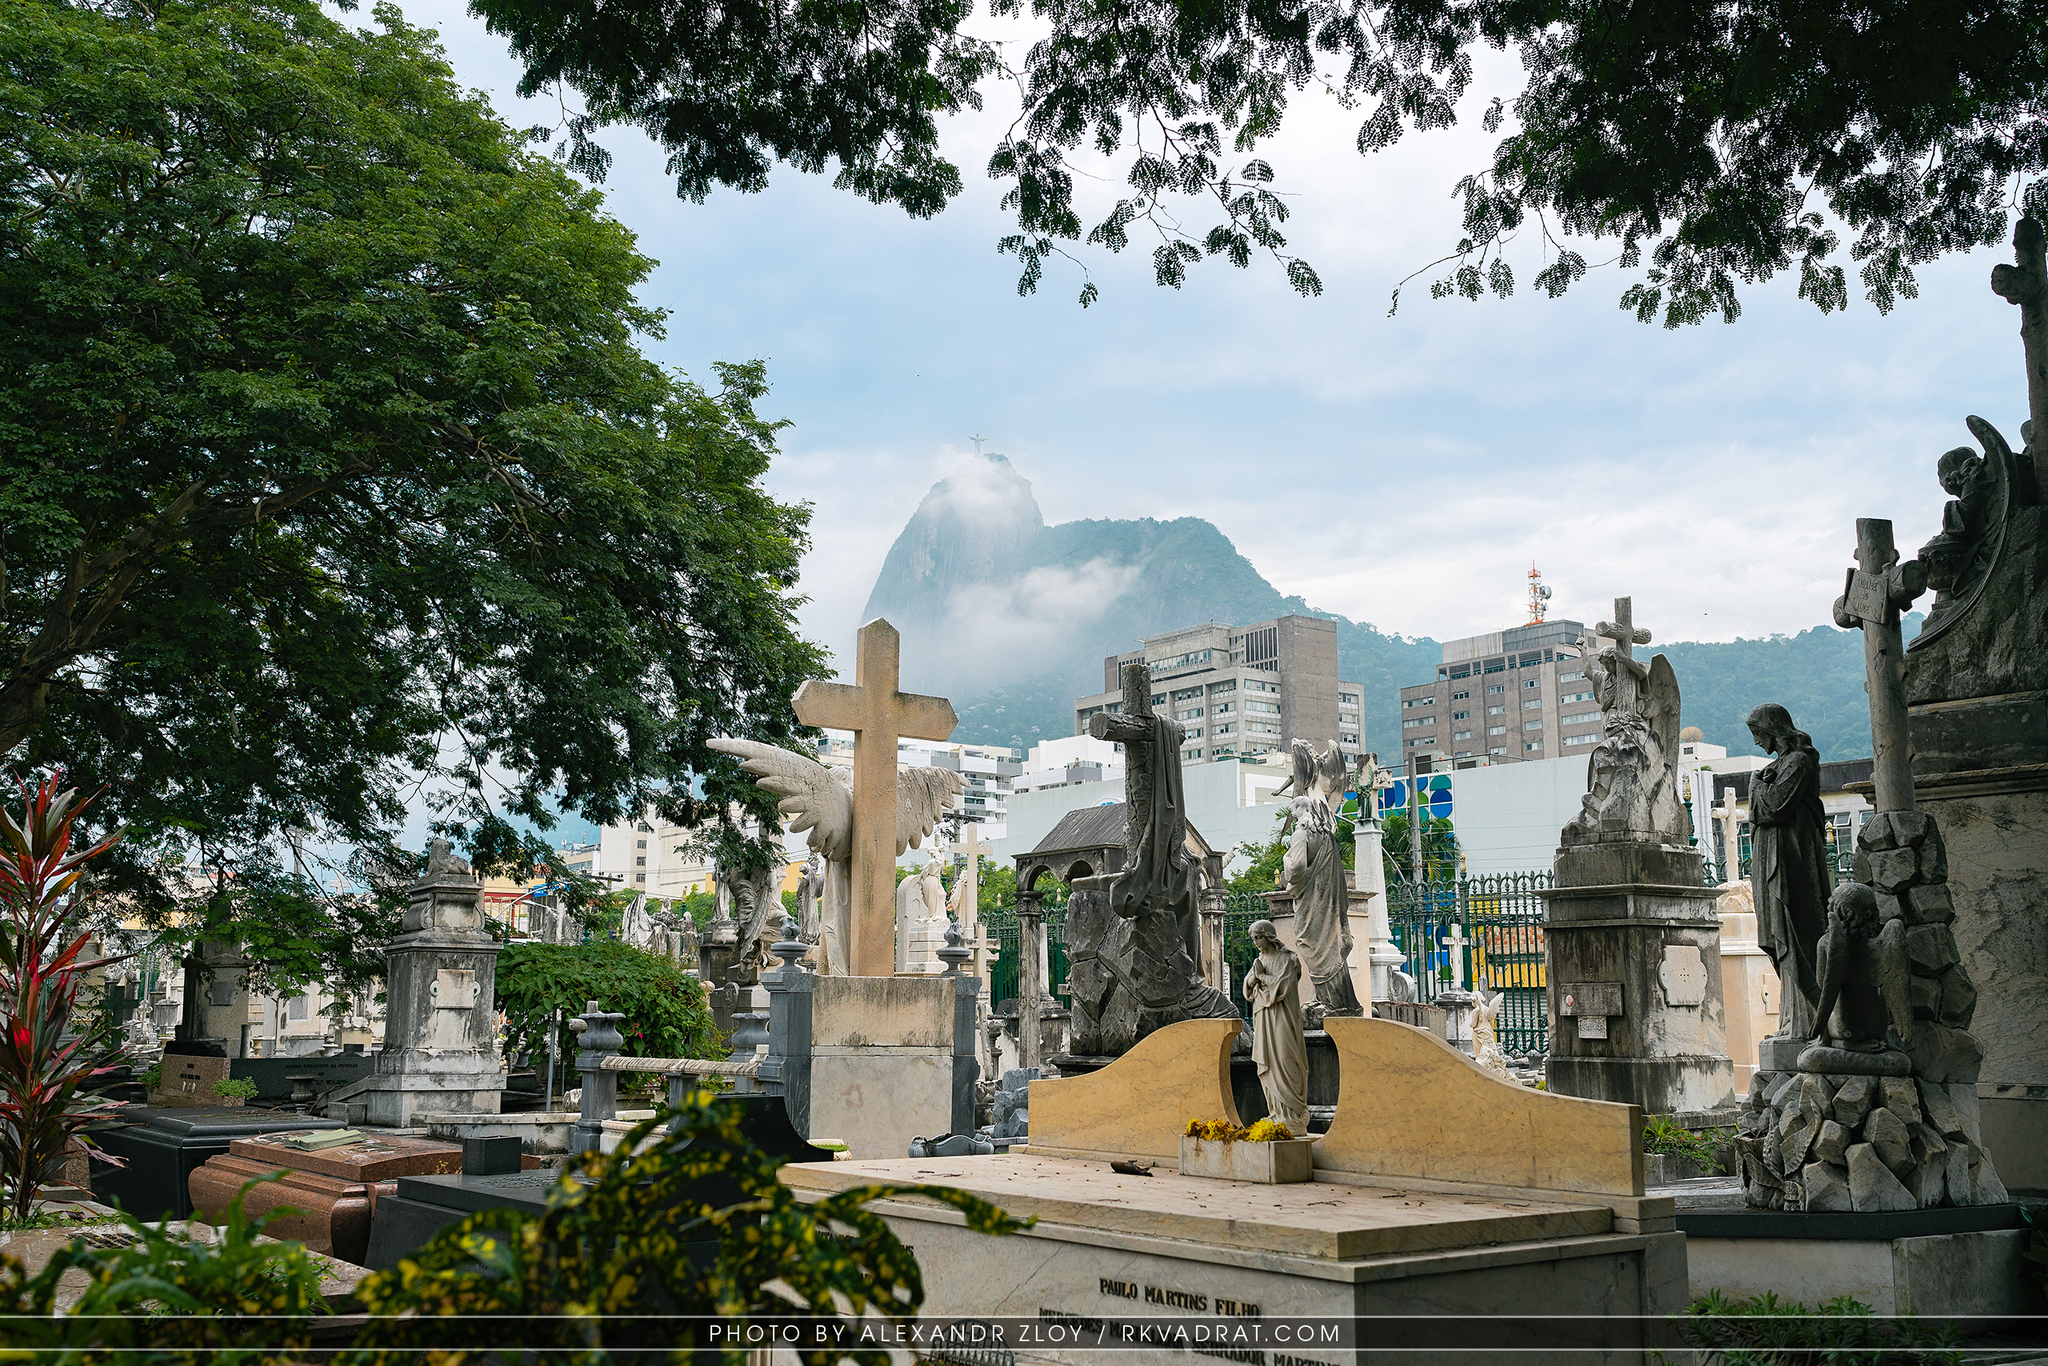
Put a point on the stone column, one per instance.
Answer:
(222, 1015)
(1030, 975)
(600, 1039)
(1376, 946)
(787, 1068)
(966, 993)
(1214, 902)
(440, 1051)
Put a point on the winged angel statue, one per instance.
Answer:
(1632, 774)
(819, 799)
(1315, 874)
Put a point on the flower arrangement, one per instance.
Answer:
(1223, 1131)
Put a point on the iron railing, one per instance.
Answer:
(1486, 932)
(1001, 924)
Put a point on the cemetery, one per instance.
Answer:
(357, 1063)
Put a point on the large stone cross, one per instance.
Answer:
(879, 716)
(1132, 729)
(2025, 283)
(1623, 630)
(1875, 591)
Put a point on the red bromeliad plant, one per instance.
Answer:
(46, 1105)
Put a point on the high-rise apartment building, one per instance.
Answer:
(1241, 690)
(1503, 697)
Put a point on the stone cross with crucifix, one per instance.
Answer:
(878, 715)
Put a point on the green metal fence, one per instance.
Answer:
(1493, 924)
(1001, 924)
(1484, 931)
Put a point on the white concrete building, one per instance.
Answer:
(1230, 801)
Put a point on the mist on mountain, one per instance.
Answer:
(1012, 619)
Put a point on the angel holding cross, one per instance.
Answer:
(1632, 775)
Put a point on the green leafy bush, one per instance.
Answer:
(235, 1086)
(603, 1268)
(161, 1299)
(1767, 1331)
(666, 1014)
(1663, 1136)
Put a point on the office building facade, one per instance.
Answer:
(1241, 691)
(1504, 697)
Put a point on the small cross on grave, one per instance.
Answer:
(879, 716)
(1456, 942)
(1872, 597)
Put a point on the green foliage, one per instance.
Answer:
(235, 1086)
(1705, 141)
(1767, 1331)
(1262, 872)
(1664, 1136)
(50, 1076)
(162, 1300)
(333, 461)
(1439, 849)
(665, 1010)
(1817, 675)
(611, 1244)
(153, 1076)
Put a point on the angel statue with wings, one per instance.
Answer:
(819, 799)
(1315, 874)
(1632, 775)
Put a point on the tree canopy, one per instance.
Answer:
(1708, 143)
(334, 473)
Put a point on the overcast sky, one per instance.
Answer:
(1403, 471)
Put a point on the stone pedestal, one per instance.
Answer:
(1749, 984)
(440, 1049)
(1633, 944)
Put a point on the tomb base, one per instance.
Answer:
(163, 1147)
(1936, 1262)
(1181, 1250)
(333, 1190)
(1245, 1090)
(1634, 946)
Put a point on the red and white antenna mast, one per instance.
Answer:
(1539, 596)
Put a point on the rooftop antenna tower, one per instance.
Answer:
(1539, 596)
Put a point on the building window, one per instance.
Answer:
(1496, 730)
(639, 844)
(1461, 696)
(1498, 749)
(1261, 727)
(1532, 725)
(1592, 739)
(646, 829)
(1194, 734)
(1533, 704)
(1463, 754)
(1533, 746)
(1422, 741)
(640, 862)
(1576, 697)
(1344, 739)
(1159, 699)
(1570, 678)
(1461, 716)
(1417, 722)
(1215, 688)
(1226, 728)
(1347, 699)
(1429, 701)
(1462, 735)
(1532, 682)
(1255, 685)
(1196, 754)
(1268, 708)
(1584, 718)
(1497, 711)
(639, 877)
(1497, 687)
(1187, 714)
